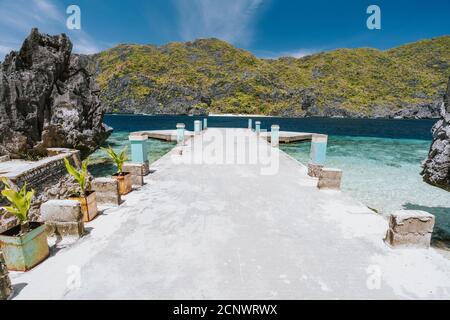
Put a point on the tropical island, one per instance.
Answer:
(212, 76)
(206, 226)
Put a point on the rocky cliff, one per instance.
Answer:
(48, 98)
(212, 76)
(436, 169)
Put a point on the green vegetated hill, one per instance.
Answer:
(212, 76)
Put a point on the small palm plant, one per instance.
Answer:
(80, 175)
(20, 204)
(119, 160)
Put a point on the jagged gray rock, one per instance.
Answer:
(436, 169)
(48, 99)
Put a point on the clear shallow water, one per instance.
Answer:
(100, 164)
(381, 159)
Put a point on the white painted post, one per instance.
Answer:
(250, 125)
(180, 133)
(205, 124)
(138, 148)
(275, 135)
(318, 154)
(258, 127)
(197, 128)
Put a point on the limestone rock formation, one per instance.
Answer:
(436, 169)
(48, 99)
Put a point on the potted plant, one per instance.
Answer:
(123, 178)
(86, 198)
(24, 246)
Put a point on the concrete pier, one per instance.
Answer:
(233, 235)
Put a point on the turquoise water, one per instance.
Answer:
(381, 159)
(102, 166)
(384, 175)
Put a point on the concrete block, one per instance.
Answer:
(138, 172)
(107, 191)
(330, 179)
(63, 218)
(65, 229)
(314, 170)
(61, 211)
(411, 228)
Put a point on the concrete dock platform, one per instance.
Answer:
(226, 231)
(171, 135)
(164, 135)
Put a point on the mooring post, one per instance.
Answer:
(250, 125)
(180, 132)
(197, 127)
(275, 135)
(317, 155)
(205, 124)
(258, 127)
(138, 148)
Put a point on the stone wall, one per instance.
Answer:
(48, 177)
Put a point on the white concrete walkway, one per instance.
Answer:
(228, 232)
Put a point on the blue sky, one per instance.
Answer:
(268, 28)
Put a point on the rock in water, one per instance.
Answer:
(436, 169)
(48, 99)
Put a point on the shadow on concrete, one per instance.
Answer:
(17, 288)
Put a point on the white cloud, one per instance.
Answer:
(229, 20)
(19, 16)
(297, 53)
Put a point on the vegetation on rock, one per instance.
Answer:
(210, 75)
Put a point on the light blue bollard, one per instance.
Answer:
(250, 125)
(258, 127)
(139, 149)
(180, 132)
(318, 154)
(275, 135)
(197, 127)
(205, 124)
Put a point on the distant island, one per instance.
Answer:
(211, 76)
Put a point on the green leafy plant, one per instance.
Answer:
(119, 159)
(80, 175)
(20, 203)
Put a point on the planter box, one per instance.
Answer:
(125, 182)
(22, 253)
(88, 206)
